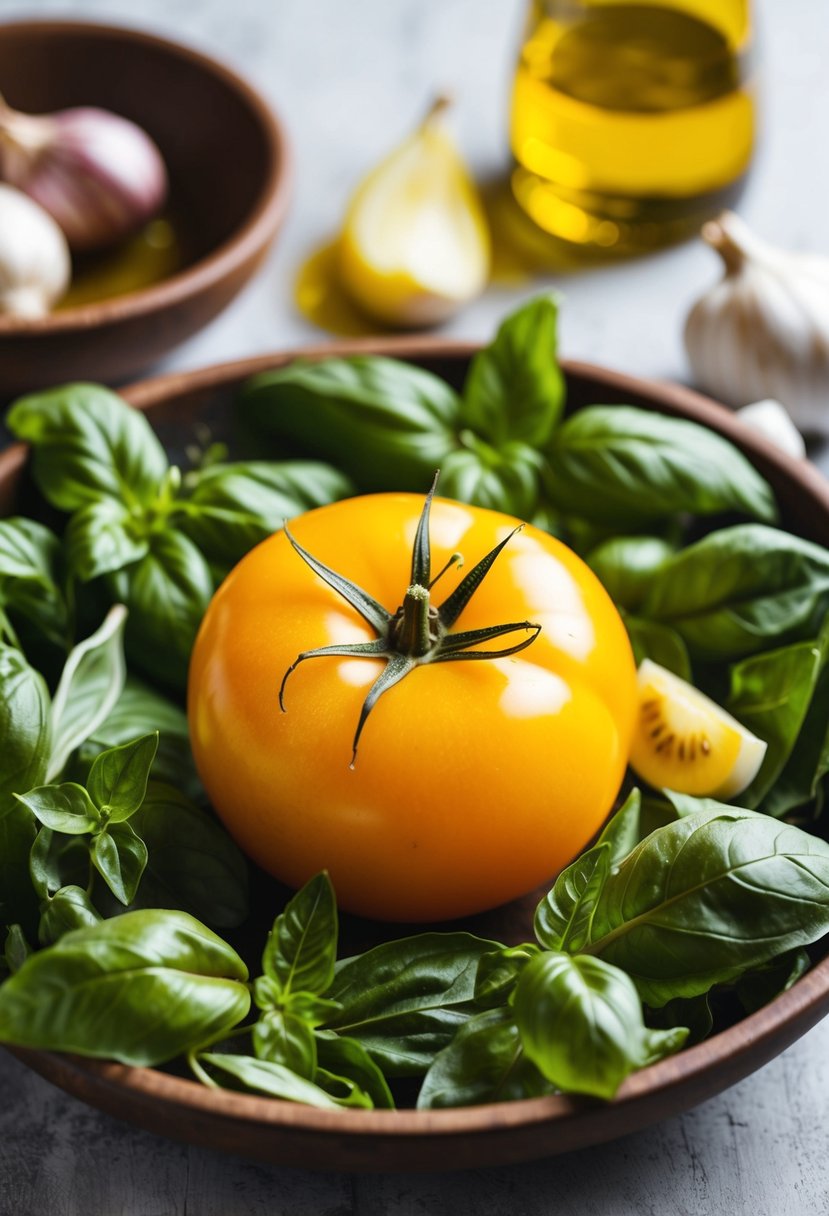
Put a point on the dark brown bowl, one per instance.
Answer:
(230, 174)
(355, 1140)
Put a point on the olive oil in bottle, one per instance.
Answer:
(631, 123)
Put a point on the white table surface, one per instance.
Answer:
(350, 79)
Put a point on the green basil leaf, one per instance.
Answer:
(118, 779)
(18, 899)
(233, 507)
(57, 861)
(515, 389)
(404, 1000)
(756, 988)
(626, 564)
(140, 988)
(167, 593)
(302, 945)
(580, 1021)
(313, 1009)
(88, 444)
(100, 538)
(808, 763)
(346, 1058)
(344, 1090)
(619, 465)
(562, 918)
(30, 576)
(498, 974)
(141, 710)
(741, 590)
(70, 908)
(284, 1038)
(505, 481)
(485, 1062)
(24, 726)
(387, 424)
(770, 694)
(694, 1013)
(250, 1075)
(660, 644)
(16, 949)
(64, 808)
(120, 857)
(193, 864)
(708, 897)
(623, 831)
(89, 687)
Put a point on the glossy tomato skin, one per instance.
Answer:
(475, 781)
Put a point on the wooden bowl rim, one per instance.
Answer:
(757, 1036)
(255, 231)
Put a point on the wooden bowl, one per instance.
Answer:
(355, 1140)
(230, 177)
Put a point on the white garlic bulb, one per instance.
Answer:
(763, 330)
(34, 257)
(99, 175)
(772, 420)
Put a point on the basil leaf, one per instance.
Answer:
(139, 988)
(808, 763)
(386, 424)
(580, 1021)
(24, 727)
(141, 710)
(346, 1058)
(89, 687)
(756, 988)
(88, 444)
(30, 573)
(343, 1090)
(659, 643)
(562, 918)
(120, 857)
(623, 831)
(404, 1000)
(70, 908)
(694, 1013)
(193, 864)
(770, 694)
(263, 1077)
(16, 949)
(64, 808)
(57, 860)
(302, 945)
(233, 507)
(626, 564)
(118, 779)
(514, 388)
(281, 1037)
(505, 481)
(167, 593)
(741, 590)
(498, 974)
(485, 1062)
(619, 465)
(706, 898)
(100, 537)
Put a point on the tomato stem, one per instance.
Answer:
(416, 627)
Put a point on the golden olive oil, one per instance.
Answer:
(153, 254)
(631, 123)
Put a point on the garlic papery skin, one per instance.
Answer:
(34, 257)
(763, 330)
(97, 174)
(769, 418)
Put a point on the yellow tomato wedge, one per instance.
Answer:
(684, 741)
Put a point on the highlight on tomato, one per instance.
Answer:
(438, 753)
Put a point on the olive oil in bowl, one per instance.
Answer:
(631, 123)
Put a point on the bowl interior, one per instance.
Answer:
(209, 129)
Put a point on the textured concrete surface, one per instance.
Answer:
(349, 81)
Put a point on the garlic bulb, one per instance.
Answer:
(34, 257)
(770, 419)
(415, 246)
(99, 175)
(763, 330)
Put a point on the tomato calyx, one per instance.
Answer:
(418, 632)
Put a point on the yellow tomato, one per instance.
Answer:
(475, 781)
